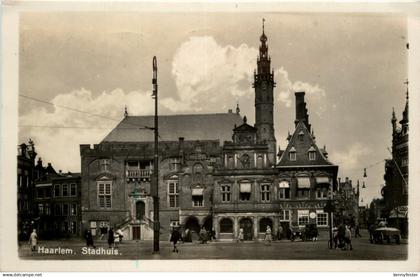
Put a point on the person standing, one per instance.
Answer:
(120, 235)
(240, 235)
(280, 232)
(111, 238)
(175, 237)
(33, 240)
(268, 237)
(89, 239)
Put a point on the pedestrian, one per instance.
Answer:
(203, 236)
(187, 236)
(357, 232)
(111, 238)
(268, 237)
(175, 237)
(240, 235)
(335, 237)
(341, 232)
(280, 233)
(89, 239)
(120, 235)
(33, 240)
(347, 238)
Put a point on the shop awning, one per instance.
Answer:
(304, 183)
(284, 184)
(197, 191)
(322, 180)
(246, 187)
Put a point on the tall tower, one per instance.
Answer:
(264, 103)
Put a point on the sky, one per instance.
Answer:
(351, 66)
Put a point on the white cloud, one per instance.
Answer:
(210, 77)
(60, 146)
(286, 88)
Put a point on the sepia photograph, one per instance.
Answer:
(212, 135)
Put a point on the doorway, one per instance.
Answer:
(193, 226)
(246, 225)
(140, 210)
(136, 232)
(285, 234)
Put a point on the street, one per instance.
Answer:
(279, 250)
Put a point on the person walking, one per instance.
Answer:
(357, 232)
(268, 237)
(89, 239)
(175, 237)
(347, 238)
(203, 236)
(111, 238)
(120, 235)
(33, 240)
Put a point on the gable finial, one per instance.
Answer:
(263, 20)
(125, 111)
(245, 119)
(237, 108)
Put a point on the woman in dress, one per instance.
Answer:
(268, 237)
(33, 240)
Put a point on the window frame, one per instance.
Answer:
(225, 193)
(57, 186)
(65, 188)
(265, 192)
(198, 204)
(312, 155)
(73, 185)
(326, 219)
(174, 194)
(292, 156)
(105, 195)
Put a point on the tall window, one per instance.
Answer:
(65, 209)
(73, 209)
(56, 190)
(303, 217)
(245, 192)
(57, 209)
(265, 193)
(321, 219)
(321, 192)
(284, 190)
(225, 193)
(260, 162)
(65, 190)
(72, 189)
(47, 209)
(173, 194)
(304, 187)
(284, 215)
(40, 208)
(104, 194)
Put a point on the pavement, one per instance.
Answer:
(277, 250)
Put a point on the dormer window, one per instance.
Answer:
(312, 153)
(292, 154)
(301, 135)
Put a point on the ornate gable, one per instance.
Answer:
(302, 149)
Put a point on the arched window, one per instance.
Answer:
(264, 222)
(260, 162)
(226, 226)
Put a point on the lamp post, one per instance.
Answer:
(155, 185)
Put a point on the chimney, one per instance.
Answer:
(181, 148)
(347, 179)
(301, 110)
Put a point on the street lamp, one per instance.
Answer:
(155, 185)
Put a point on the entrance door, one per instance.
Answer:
(286, 230)
(140, 210)
(246, 225)
(136, 232)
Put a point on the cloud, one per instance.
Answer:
(210, 77)
(352, 158)
(286, 88)
(59, 145)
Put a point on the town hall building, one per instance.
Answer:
(216, 171)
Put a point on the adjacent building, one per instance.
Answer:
(395, 191)
(25, 165)
(347, 202)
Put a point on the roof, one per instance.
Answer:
(301, 146)
(217, 126)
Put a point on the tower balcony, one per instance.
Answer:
(138, 173)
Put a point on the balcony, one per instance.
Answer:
(138, 173)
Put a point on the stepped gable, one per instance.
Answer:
(302, 142)
(217, 126)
